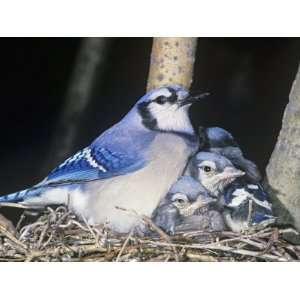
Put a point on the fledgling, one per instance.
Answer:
(131, 165)
(214, 171)
(243, 191)
(219, 140)
(182, 208)
(246, 206)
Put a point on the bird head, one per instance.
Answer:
(188, 195)
(166, 109)
(219, 140)
(215, 137)
(214, 171)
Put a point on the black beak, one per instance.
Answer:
(191, 99)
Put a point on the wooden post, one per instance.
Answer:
(172, 62)
(283, 170)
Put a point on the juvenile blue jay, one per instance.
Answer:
(247, 204)
(185, 198)
(214, 171)
(219, 140)
(131, 165)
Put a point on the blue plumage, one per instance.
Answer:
(244, 200)
(93, 163)
(246, 205)
(130, 165)
(241, 184)
(20, 195)
(219, 140)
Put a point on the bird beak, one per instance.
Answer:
(191, 99)
(231, 173)
(249, 167)
(202, 201)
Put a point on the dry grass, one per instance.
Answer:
(56, 235)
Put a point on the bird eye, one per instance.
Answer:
(160, 100)
(180, 200)
(207, 169)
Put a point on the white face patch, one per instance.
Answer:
(210, 178)
(171, 117)
(207, 169)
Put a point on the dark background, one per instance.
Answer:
(249, 80)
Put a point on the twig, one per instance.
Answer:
(57, 236)
(224, 248)
(152, 225)
(124, 245)
(18, 244)
(249, 218)
(15, 205)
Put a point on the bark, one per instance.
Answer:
(91, 56)
(283, 170)
(172, 62)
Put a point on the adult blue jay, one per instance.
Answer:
(185, 198)
(131, 165)
(219, 140)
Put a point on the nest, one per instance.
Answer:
(57, 235)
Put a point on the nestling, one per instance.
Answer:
(185, 198)
(246, 206)
(213, 171)
(243, 193)
(219, 140)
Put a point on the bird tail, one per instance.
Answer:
(21, 195)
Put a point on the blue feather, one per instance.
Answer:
(93, 163)
(19, 196)
(120, 150)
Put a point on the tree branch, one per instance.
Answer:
(172, 62)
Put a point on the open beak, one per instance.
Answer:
(191, 99)
(202, 201)
(232, 173)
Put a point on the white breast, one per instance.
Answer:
(139, 191)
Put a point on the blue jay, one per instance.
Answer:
(131, 165)
(219, 140)
(185, 198)
(246, 206)
(214, 171)
(244, 192)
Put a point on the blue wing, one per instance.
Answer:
(239, 189)
(93, 163)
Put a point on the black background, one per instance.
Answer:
(249, 80)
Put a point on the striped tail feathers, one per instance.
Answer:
(21, 195)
